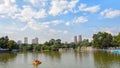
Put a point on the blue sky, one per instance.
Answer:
(62, 19)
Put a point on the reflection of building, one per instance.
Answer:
(19, 42)
(79, 38)
(35, 41)
(25, 40)
(75, 39)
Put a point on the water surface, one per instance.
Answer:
(62, 59)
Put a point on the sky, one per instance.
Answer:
(58, 19)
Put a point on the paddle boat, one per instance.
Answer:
(36, 62)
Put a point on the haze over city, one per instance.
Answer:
(62, 19)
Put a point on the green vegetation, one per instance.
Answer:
(85, 43)
(5, 43)
(100, 40)
(52, 45)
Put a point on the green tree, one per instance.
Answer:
(52, 41)
(102, 40)
(85, 42)
(3, 42)
(116, 40)
(58, 41)
(12, 45)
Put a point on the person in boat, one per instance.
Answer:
(36, 62)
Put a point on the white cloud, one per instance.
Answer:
(61, 6)
(24, 28)
(33, 1)
(37, 26)
(41, 14)
(8, 8)
(65, 31)
(25, 14)
(53, 31)
(111, 30)
(56, 22)
(110, 13)
(2, 16)
(72, 4)
(92, 9)
(80, 19)
(28, 13)
(38, 3)
(67, 23)
(8, 32)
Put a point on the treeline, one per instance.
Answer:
(105, 40)
(100, 40)
(5, 43)
(52, 44)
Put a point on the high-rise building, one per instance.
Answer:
(35, 41)
(75, 39)
(25, 40)
(79, 38)
(19, 42)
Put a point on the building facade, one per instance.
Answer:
(79, 38)
(75, 39)
(35, 41)
(25, 40)
(19, 42)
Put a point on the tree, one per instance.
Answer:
(102, 40)
(12, 44)
(58, 41)
(116, 40)
(52, 41)
(85, 42)
(3, 42)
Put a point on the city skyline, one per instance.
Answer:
(61, 19)
(77, 39)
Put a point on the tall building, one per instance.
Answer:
(35, 41)
(25, 40)
(79, 38)
(19, 42)
(75, 39)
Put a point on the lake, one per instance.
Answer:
(63, 59)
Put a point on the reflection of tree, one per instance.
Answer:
(52, 54)
(4, 57)
(105, 60)
(81, 54)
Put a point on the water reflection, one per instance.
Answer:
(5, 57)
(67, 58)
(53, 55)
(82, 55)
(106, 60)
